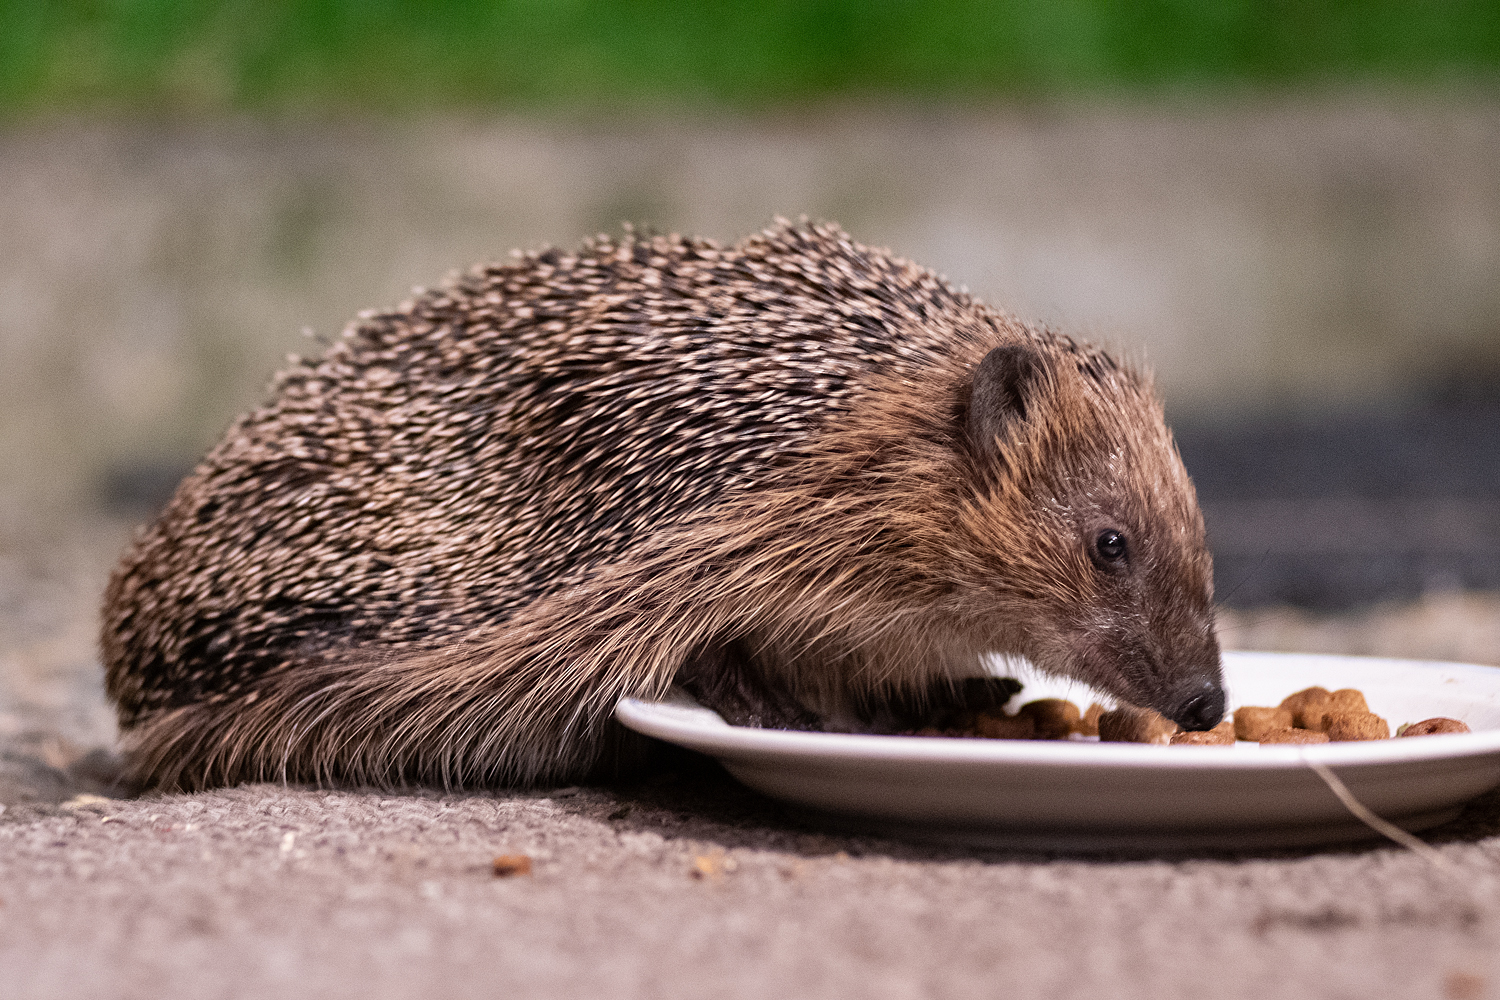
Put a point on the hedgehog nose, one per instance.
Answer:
(1201, 708)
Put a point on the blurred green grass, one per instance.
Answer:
(320, 54)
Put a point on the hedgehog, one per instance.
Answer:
(804, 480)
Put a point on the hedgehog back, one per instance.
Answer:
(448, 463)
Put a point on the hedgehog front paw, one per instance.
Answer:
(726, 678)
(942, 704)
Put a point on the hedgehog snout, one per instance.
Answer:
(1198, 706)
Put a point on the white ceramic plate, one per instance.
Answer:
(1070, 795)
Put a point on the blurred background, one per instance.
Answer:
(1291, 212)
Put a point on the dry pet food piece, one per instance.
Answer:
(1312, 715)
(1343, 701)
(1089, 724)
(714, 864)
(1128, 724)
(996, 725)
(1343, 727)
(1289, 735)
(1432, 727)
(1253, 721)
(1053, 718)
(507, 865)
(1347, 700)
(1221, 735)
(1307, 706)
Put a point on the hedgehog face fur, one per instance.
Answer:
(1110, 580)
(793, 475)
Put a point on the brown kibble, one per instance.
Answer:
(1307, 707)
(1221, 735)
(996, 725)
(1253, 721)
(1297, 699)
(1343, 701)
(1433, 727)
(714, 864)
(507, 865)
(1312, 715)
(1052, 718)
(1089, 724)
(1128, 724)
(1288, 734)
(1345, 727)
(1347, 700)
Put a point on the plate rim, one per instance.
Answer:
(722, 739)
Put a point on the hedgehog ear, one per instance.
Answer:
(1005, 383)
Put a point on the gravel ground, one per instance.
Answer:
(691, 888)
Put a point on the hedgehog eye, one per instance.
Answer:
(1109, 548)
